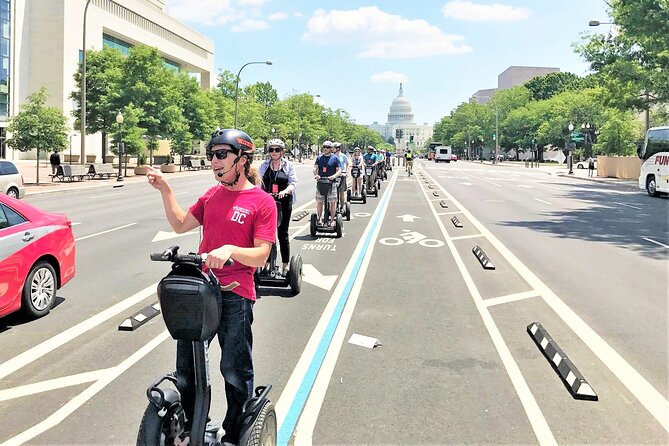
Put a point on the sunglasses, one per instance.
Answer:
(274, 149)
(327, 147)
(219, 154)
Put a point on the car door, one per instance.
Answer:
(17, 253)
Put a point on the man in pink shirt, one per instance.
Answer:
(238, 222)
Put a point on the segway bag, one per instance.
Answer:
(190, 302)
(355, 172)
(324, 186)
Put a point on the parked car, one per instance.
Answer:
(37, 259)
(454, 157)
(584, 164)
(11, 181)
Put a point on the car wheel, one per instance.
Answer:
(580, 166)
(39, 290)
(13, 192)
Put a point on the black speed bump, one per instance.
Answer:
(140, 318)
(300, 215)
(575, 383)
(456, 222)
(435, 193)
(483, 258)
(443, 204)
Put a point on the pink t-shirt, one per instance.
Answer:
(235, 218)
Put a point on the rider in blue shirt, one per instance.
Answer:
(344, 165)
(327, 166)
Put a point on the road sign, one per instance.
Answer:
(577, 136)
(560, 157)
(295, 151)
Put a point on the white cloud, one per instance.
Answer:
(389, 76)
(475, 12)
(297, 14)
(381, 35)
(214, 12)
(278, 16)
(250, 25)
(252, 2)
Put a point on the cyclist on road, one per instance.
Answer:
(344, 166)
(408, 157)
(238, 222)
(278, 178)
(327, 166)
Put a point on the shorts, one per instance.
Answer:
(332, 195)
(342, 183)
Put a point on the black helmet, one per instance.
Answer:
(240, 142)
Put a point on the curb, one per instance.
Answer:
(140, 318)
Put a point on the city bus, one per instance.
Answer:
(654, 154)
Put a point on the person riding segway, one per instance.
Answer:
(343, 201)
(279, 180)
(373, 184)
(326, 171)
(357, 191)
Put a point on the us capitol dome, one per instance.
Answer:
(401, 117)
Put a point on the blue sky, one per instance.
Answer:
(355, 54)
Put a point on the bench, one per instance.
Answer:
(70, 172)
(205, 164)
(101, 170)
(190, 166)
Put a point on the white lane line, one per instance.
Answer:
(10, 366)
(482, 179)
(463, 237)
(534, 415)
(75, 403)
(106, 195)
(104, 232)
(543, 201)
(180, 193)
(657, 243)
(627, 205)
(525, 186)
(303, 432)
(449, 213)
(51, 384)
(509, 298)
(642, 390)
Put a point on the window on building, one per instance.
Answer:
(5, 46)
(124, 47)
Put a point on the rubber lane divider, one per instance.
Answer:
(483, 258)
(140, 318)
(443, 204)
(435, 193)
(573, 380)
(300, 215)
(456, 222)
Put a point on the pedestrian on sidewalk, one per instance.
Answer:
(591, 167)
(54, 159)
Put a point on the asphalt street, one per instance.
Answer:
(455, 363)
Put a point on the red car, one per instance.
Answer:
(36, 257)
(454, 157)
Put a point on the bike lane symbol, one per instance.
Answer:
(411, 237)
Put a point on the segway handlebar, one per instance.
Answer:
(171, 254)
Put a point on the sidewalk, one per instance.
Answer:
(28, 169)
(562, 171)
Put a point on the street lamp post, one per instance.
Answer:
(496, 137)
(267, 62)
(570, 160)
(83, 89)
(119, 121)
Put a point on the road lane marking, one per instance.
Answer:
(449, 213)
(525, 186)
(657, 243)
(628, 205)
(642, 390)
(104, 232)
(75, 403)
(304, 392)
(106, 195)
(51, 384)
(543, 201)
(536, 418)
(509, 298)
(463, 237)
(17, 362)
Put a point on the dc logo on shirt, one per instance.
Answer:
(239, 214)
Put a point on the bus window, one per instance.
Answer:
(657, 141)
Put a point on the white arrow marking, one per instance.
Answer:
(164, 235)
(408, 217)
(311, 275)
(466, 184)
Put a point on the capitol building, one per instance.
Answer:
(400, 117)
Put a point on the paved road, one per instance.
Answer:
(456, 364)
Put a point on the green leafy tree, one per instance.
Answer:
(198, 110)
(38, 127)
(547, 86)
(227, 82)
(131, 134)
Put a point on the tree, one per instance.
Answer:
(131, 134)
(547, 86)
(38, 127)
(227, 82)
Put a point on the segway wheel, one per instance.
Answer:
(378, 184)
(263, 431)
(295, 274)
(312, 226)
(364, 197)
(256, 280)
(376, 192)
(348, 195)
(347, 211)
(153, 426)
(339, 225)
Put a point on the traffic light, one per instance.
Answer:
(410, 138)
(398, 134)
(401, 133)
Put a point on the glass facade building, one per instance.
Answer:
(113, 42)
(5, 45)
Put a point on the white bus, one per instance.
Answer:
(654, 153)
(442, 153)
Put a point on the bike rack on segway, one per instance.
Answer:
(271, 275)
(356, 195)
(323, 186)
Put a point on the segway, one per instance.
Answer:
(191, 308)
(344, 208)
(371, 184)
(357, 195)
(323, 186)
(271, 275)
